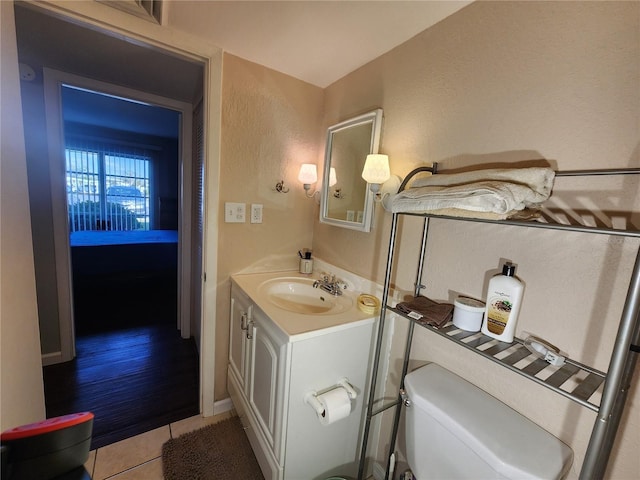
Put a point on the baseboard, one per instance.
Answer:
(222, 406)
(51, 358)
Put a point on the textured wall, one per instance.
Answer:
(511, 82)
(270, 125)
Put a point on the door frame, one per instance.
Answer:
(53, 83)
(97, 16)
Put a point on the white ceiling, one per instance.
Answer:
(315, 41)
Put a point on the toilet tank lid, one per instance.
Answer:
(510, 443)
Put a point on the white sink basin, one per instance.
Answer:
(298, 295)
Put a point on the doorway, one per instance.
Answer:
(29, 42)
(95, 155)
(122, 189)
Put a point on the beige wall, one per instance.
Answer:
(270, 125)
(22, 392)
(502, 81)
(511, 82)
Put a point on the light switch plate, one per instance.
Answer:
(234, 212)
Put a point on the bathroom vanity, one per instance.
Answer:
(284, 344)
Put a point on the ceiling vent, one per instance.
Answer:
(148, 9)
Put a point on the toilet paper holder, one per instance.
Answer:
(310, 398)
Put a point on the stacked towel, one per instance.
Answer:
(425, 310)
(492, 193)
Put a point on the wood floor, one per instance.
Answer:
(134, 377)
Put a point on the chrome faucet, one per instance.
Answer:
(330, 284)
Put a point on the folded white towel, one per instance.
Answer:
(492, 190)
(539, 179)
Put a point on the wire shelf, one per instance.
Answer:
(573, 380)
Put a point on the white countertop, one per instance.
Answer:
(298, 326)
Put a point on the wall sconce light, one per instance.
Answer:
(378, 175)
(308, 175)
(376, 171)
(333, 179)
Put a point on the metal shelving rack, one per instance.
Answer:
(616, 380)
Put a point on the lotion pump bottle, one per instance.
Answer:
(503, 305)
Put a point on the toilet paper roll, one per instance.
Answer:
(336, 404)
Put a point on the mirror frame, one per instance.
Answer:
(375, 119)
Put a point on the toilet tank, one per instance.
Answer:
(454, 430)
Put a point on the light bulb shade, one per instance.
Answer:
(333, 179)
(308, 173)
(376, 168)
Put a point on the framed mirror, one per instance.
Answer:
(346, 199)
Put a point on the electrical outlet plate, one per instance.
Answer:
(234, 212)
(256, 213)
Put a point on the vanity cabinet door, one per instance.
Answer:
(266, 390)
(238, 342)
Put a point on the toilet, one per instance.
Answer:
(454, 430)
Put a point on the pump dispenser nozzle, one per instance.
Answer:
(508, 269)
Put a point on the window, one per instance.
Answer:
(108, 187)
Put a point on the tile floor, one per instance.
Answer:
(140, 457)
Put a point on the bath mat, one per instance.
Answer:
(216, 452)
